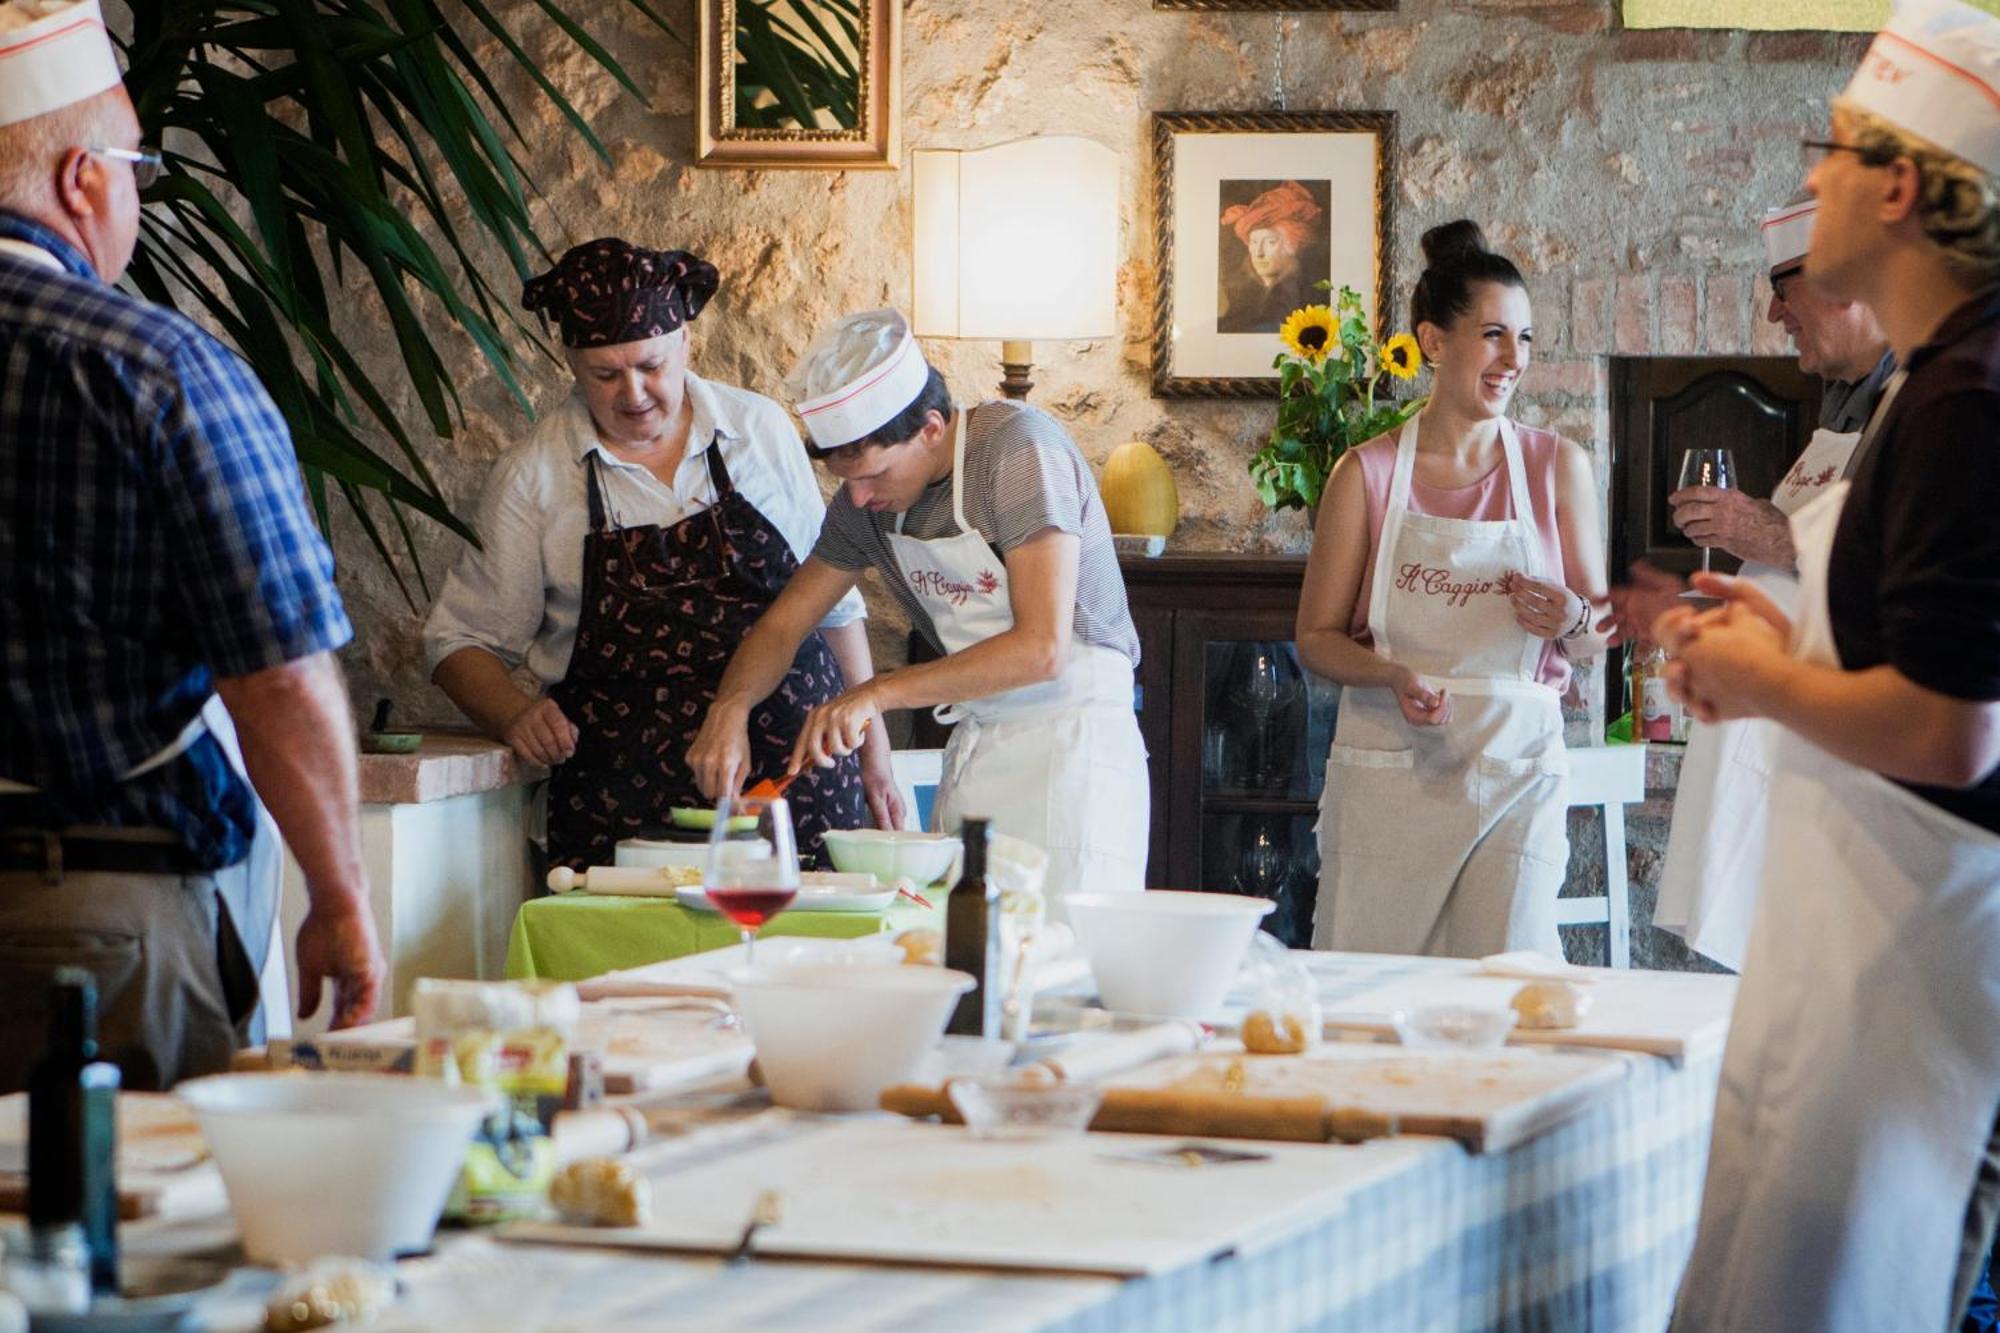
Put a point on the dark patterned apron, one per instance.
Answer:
(663, 610)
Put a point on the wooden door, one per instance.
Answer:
(1762, 409)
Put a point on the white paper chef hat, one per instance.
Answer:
(1935, 71)
(859, 373)
(52, 53)
(1787, 232)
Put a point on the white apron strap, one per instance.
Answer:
(1393, 509)
(31, 252)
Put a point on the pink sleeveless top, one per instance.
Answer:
(1486, 499)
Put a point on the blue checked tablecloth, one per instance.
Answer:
(1586, 1228)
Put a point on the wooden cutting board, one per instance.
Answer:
(1488, 1100)
(893, 1191)
(1678, 1015)
(163, 1165)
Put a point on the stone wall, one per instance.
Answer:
(1624, 170)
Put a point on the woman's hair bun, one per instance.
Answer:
(1453, 241)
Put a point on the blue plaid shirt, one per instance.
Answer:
(154, 535)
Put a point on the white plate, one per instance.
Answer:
(819, 891)
(647, 853)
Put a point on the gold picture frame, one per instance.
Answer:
(1341, 163)
(869, 63)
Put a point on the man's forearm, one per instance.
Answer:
(1006, 661)
(298, 745)
(482, 687)
(1881, 720)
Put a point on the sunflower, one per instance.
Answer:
(1309, 331)
(1400, 357)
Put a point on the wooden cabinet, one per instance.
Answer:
(1236, 728)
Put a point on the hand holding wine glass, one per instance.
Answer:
(753, 863)
(1714, 468)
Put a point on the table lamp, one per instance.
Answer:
(1017, 242)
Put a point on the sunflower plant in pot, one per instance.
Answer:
(1328, 374)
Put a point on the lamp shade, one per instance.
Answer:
(1017, 241)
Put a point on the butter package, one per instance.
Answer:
(512, 1037)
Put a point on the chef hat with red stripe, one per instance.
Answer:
(1787, 232)
(52, 53)
(1934, 71)
(859, 374)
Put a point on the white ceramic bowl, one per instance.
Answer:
(334, 1164)
(649, 854)
(1164, 952)
(887, 853)
(831, 1036)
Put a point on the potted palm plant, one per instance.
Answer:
(308, 140)
(1328, 374)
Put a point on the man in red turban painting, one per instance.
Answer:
(1265, 273)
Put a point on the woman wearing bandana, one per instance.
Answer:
(626, 549)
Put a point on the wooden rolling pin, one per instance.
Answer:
(1225, 1115)
(608, 879)
(1128, 1050)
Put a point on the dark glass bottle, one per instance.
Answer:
(73, 1129)
(972, 938)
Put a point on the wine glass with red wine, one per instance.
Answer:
(753, 863)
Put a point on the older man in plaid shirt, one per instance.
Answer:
(157, 562)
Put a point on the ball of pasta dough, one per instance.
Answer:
(1548, 1005)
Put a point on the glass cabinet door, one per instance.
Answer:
(1260, 733)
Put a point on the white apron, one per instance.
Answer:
(1060, 764)
(1715, 851)
(1448, 840)
(1863, 1066)
(257, 911)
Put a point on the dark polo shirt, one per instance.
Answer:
(1914, 579)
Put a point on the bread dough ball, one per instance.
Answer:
(601, 1192)
(331, 1291)
(925, 947)
(1266, 1033)
(1550, 1005)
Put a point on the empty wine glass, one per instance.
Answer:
(1270, 686)
(1708, 467)
(753, 864)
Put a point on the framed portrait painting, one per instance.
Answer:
(1253, 210)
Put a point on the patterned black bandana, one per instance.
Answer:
(606, 292)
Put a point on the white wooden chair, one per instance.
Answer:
(917, 772)
(1609, 777)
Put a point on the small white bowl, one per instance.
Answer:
(1462, 1027)
(889, 853)
(1007, 1106)
(830, 1036)
(335, 1164)
(1162, 951)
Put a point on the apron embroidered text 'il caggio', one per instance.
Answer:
(1715, 851)
(1449, 839)
(1059, 764)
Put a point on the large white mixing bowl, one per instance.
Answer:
(887, 853)
(1165, 952)
(831, 1036)
(334, 1164)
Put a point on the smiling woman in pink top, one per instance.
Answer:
(1453, 577)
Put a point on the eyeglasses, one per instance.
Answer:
(1816, 151)
(146, 164)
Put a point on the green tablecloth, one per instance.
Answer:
(574, 936)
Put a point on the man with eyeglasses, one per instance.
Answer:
(1715, 850)
(160, 575)
(1849, 1182)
